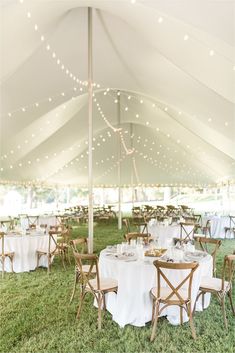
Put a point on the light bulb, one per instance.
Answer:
(186, 37)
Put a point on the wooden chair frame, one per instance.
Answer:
(86, 286)
(59, 250)
(204, 242)
(183, 303)
(188, 234)
(231, 227)
(227, 275)
(82, 243)
(129, 236)
(3, 255)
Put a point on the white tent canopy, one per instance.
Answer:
(171, 64)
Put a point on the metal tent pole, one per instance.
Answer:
(90, 135)
(119, 163)
(132, 171)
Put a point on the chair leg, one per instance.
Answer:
(82, 295)
(231, 301)
(62, 257)
(12, 270)
(203, 300)
(181, 315)
(223, 311)
(153, 310)
(191, 321)
(104, 302)
(37, 260)
(153, 334)
(3, 266)
(76, 279)
(49, 265)
(99, 310)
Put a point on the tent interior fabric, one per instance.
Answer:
(165, 68)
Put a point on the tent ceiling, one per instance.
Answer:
(173, 65)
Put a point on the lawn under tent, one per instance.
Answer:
(36, 315)
(117, 176)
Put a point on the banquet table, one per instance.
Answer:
(24, 247)
(218, 223)
(133, 304)
(165, 233)
(50, 220)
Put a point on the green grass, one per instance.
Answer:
(36, 316)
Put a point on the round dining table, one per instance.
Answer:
(133, 304)
(24, 247)
(166, 233)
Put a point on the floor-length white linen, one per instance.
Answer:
(166, 233)
(218, 223)
(24, 247)
(133, 304)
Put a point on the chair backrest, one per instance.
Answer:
(186, 231)
(228, 269)
(79, 245)
(185, 282)
(92, 261)
(33, 220)
(53, 241)
(211, 246)
(126, 223)
(232, 221)
(130, 236)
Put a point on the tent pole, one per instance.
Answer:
(119, 164)
(132, 172)
(90, 135)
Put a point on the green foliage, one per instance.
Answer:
(36, 315)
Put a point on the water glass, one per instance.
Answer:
(119, 249)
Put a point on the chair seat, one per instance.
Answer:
(165, 292)
(105, 284)
(212, 283)
(85, 269)
(45, 252)
(7, 254)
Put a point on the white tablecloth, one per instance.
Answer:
(38, 220)
(24, 247)
(133, 304)
(218, 223)
(49, 220)
(165, 233)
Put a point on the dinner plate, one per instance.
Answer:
(195, 255)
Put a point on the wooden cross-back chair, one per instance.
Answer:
(54, 249)
(207, 228)
(33, 221)
(4, 255)
(211, 246)
(186, 232)
(220, 287)
(97, 286)
(79, 245)
(144, 236)
(231, 227)
(169, 294)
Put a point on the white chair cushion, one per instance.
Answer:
(213, 283)
(105, 283)
(165, 292)
(85, 268)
